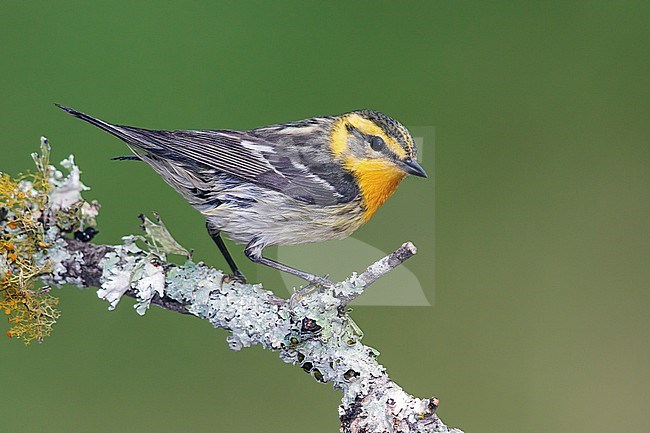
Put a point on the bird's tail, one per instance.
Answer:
(118, 131)
(153, 148)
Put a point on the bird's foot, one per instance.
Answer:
(314, 284)
(236, 276)
(315, 280)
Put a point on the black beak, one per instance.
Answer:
(411, 166)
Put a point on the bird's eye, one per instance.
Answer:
(376, 143)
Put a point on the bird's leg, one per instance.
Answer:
(254, 252)
(216, 237)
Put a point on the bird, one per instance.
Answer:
(298, 182)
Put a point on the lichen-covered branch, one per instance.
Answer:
(312, 329)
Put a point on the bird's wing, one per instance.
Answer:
(238, 153)
(242, 155)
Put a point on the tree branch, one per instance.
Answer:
(311, 329)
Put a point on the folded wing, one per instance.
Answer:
(237, 153)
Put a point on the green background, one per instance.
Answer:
(535, 218)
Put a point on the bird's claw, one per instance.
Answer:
(319, 281)
(236, 276)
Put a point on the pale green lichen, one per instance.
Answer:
(248, 311)
(130, 267)
(66, 190)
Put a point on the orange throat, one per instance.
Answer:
(377, 181)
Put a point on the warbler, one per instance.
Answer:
(305, 181)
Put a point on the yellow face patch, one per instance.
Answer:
(339, 139)
(377, 179)
(340, 134)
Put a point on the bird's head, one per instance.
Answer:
(378, 151)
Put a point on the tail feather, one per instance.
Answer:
(126, 158)
(148, 145)
(115, 130)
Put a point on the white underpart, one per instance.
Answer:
(278, 219)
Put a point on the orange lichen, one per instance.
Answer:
(31, 312)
